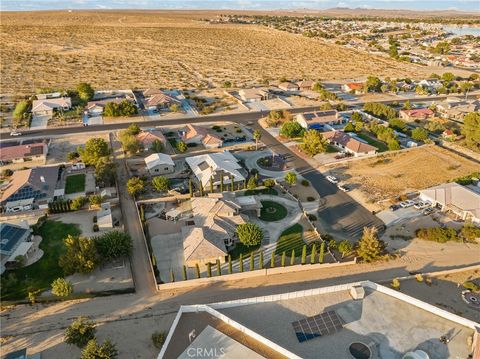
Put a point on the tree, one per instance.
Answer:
(114, 244)
(393, 145)
(313, 253)
(135, 185)
(94, 351)
(124, 108)
(133, 129)
(304, 254)
(72, 156)
(471, 130)
(419, 134)
(95, 200)
(322, 252)
(19, 261)
(95, 149)
(157, 146)
(130, 143)
(158, 339)
(175, 107)
(78, 203)
(356, 117)
(291, 129)
(161, 184)
(349, 127)
(33, 294)
(85, 91)
(61, 287)
(181, 146)
(257, 135)
(373, 84)
(407, 105)
(105, 172)
(291, 178)
(369, 247)
(21, 110)
(7, 172)
(80, 332)
(80, 256)
(314, 142)
(448, 77)
(345, 247)
(252, 183)
(269, 182)
(249, 234)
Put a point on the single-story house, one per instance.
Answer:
(159, 164)
(416, 114)
(214, 166)
(200, 135)
(15, 241)
(455, 198)
(316, 119)
(46, 107)
(157, 99)
(353, 87)
(20, 153)
(104, 216)
(254, 95)
(148, 137)
(349, 143)
(38, 183)
(449, 135)
(201, 245)
(305, 85)
(288, 86)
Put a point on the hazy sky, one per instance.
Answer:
(465, 5)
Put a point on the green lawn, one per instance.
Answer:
(272, 211)
(332, 149)
(252, 192)
(75, 183)
(291, 238)
(173, 141)
(382, 147)
(40, 274)
(241, 248)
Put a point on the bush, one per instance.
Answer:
(249, 234)
(310, 199)
(94, 351)
(312, 217)
(437, 234)
(95, 199)
(61, 287)
(80, 332)
(181, 146)
(470, 233)
(161, 184)
(471, 286)
(269, 182)
(291, 129)
(305, 183)
(96, 228)
(158, 339)
(78, 203)
(113, 245)
(395, 284)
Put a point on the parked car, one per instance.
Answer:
(394, 207)
(428, 211)
(15, 133)
(332, 179)
(343, 188)
(406, 204)
(421, 205)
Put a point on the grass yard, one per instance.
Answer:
(75, 183)
(252, 192)
(172, 141)
(382, 147)
(272, 211)
(240, 248)
(40, 274)
(291, 238)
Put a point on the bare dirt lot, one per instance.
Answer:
(389, 175)
(166, 49)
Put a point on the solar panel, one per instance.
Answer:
(319, 325)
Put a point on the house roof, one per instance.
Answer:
(288, 85)
(319, 116)
(354, 85)
(51, 103)
(418, 112)
(305, 83)
(193, 131)
(458, 196)
(205, 166)
(152, 91)
(10, 237)
(348, 142)
(21, 151)
(150, 136)
(102, 103)
(199, 246)
(252, 93)
(42, 178)
(158, 159)
(160, 99)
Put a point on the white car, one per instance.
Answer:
(343, 188)
(15, 133)
(421, 205)
(406, 204)
(332, 179)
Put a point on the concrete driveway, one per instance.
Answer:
(40, 122)
(168, 250)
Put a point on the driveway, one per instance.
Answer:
(40, 122)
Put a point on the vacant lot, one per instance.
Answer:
(166, 49)
(392, 174)
(75, 183)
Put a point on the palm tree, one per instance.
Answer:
(257, 135)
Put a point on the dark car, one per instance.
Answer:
(394, 207)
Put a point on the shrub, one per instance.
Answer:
(419, 277)
(80, 332)
(269, 182)
(312, 217)
(291, 129)
(181, 146)
(291, 178)
(437, 234)
(61, 287)
(161, 184)
(113, 245)
(249, 234)
(78, 203)
(471, 286)
(305, 183)
(96, 228)
(310, 199)
(158, 339)
(369, 247)
(94, 351)
(395, 284)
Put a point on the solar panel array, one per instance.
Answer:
(319, 325)
(9, 236)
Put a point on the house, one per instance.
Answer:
(104, 216)
(288, 86)
(201, 245)
(254, 95)
(349, 143)
(323, 322)
(416, 114)
(317, 119)
(159, 164)
(38, 183)
(148, 137)
(353, 87)
(96, 107)
(456, 108)
(25, 152)
(156, 99)
(15, 241)
(305, 85)
(449, 135)
(215, 166)
(47, 106)
(200, 135)
(19, 206)
(430, 84)
(455, 198)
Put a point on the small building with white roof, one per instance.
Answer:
(159, 164)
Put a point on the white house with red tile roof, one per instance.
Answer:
(355, 87)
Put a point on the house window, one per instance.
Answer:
(165, 169)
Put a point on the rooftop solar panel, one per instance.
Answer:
(319, 325)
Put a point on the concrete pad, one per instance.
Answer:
(95, 120)
(168, 251)
(39, 122)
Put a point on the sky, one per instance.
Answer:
(463, 5)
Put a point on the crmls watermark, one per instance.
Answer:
(205, 352)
